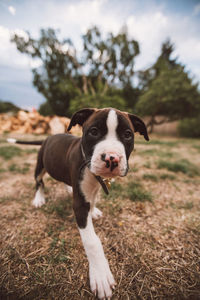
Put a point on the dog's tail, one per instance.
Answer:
(14, 141)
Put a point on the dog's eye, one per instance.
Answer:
(128, 134)
(94, 131)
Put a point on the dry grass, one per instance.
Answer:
(153, 247)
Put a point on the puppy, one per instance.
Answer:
(84, 164)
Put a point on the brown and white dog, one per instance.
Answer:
(102, 151)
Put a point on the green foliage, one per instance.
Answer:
(8, 106)
(136, 192)
(187, 205)
(17, 169)
(183, 165)
(197, 147)
(46, 109)
(102, 75)
(133, 191)
(30, 151)
(8, 152)
(156, 152)
(157, 142)
(172, 95)
(151, 177)
(5, 199)
(68, 79)
(111, 59)
(189, 127)
(115, 191)
(61, 207)
(167, 90)
(167, 176)
(156, 178)
(131, 96)
(147, 165)
(111, 99)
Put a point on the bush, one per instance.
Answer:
(98, 101)
(46, 109)
(189, 127)
(8, 106)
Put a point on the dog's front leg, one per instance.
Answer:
(101, 278)
(85, 194)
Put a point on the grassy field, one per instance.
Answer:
(150, 228)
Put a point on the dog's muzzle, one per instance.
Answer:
(111, 160)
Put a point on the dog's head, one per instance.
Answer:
(108, 139)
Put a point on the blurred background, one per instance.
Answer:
(139, 56)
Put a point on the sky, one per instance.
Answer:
(150, 22)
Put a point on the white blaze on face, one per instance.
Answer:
(109, 145)
(112, 123)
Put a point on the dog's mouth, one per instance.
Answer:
(107, 174)
(110, 172)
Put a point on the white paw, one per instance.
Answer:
(69, 189)
(96, 213)
(39, 199)
(101, 280)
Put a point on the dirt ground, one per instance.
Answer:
(150, 227)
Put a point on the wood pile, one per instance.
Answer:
(33, 122)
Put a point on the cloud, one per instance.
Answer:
(76, 17)
(12, 10)
(149, 30)
(196, 10)
(8, 53)
(150, 27)
(21, 33)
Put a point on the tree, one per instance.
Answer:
(67, 77)
(168, 91)
(112, 98)
(6, 106)
(190, 127)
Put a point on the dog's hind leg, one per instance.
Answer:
(39, 199)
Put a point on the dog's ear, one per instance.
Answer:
(139, 126)
(80, 117)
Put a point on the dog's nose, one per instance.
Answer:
(111, 160)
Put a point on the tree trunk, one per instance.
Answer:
(91, 87)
